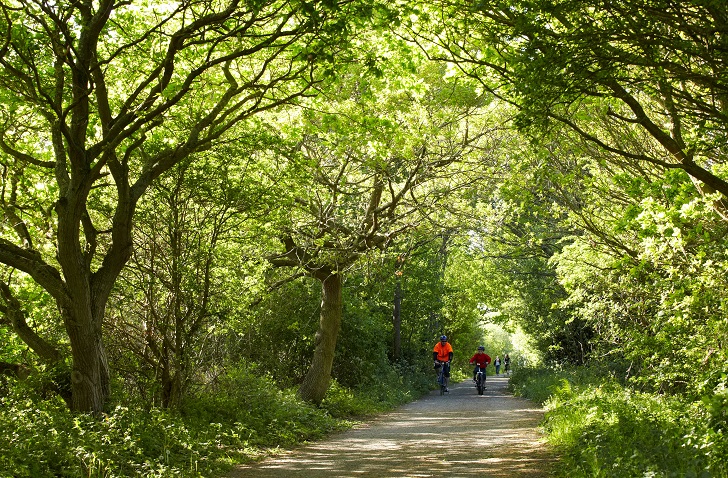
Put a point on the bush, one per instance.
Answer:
(223, 425)
(261, 413)
(44, 439)
(602, 428)
(41, 438)
(390, 387)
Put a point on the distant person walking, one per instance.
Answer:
(497, 363)
(507, 364)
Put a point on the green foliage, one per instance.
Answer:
(716, 403)
(656, 288)
(11, 347)
(258, 411)
(540, 383)
(234, 421)
(392, 386)
(43, 439)
(284, 323)
(506, 265)
(603, 429)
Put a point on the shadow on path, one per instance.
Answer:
(460, 434)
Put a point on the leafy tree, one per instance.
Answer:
(658, 310)
(283, 322)
(616, 94)
(171, 302)
(376, 160)
(653, 71)
(421, 293)
(105, 97)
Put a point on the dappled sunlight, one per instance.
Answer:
(459, 434)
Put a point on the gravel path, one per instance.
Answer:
(460, 434)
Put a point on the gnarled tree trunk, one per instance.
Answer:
(90, 385)
(314, 386)
(397, 322)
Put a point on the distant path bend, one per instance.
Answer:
(460, 434)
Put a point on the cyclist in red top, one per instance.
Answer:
(442, 354)
(481, 359)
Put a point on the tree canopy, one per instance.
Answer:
(643, 81)
(102, 100)
(195, 192)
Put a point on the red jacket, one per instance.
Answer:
(481, 359)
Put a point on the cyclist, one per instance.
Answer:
(481, 359)
(442, 354)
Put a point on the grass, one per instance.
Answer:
(243, 418)
(602, 428)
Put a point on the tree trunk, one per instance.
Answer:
(82, 310)
(397, 322)
(90, 385)
(314, 386)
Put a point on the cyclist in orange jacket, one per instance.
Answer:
(442, 354)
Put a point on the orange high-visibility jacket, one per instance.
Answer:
(443, 351)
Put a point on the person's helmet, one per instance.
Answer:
(443, 337)
(480, 347)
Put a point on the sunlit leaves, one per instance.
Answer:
(659, 306)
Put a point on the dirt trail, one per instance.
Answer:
(460, 434)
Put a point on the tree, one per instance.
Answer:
(385, 154)
(652, 70)
(645, 271)
(105, 97)
(181, 284)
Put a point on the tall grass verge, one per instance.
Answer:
(237, 421)
(602, 428)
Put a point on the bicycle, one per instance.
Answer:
(442, 379)
(480, 380)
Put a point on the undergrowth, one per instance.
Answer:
(234, 422)
(602, 428)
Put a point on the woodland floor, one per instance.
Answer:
(460, 434)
